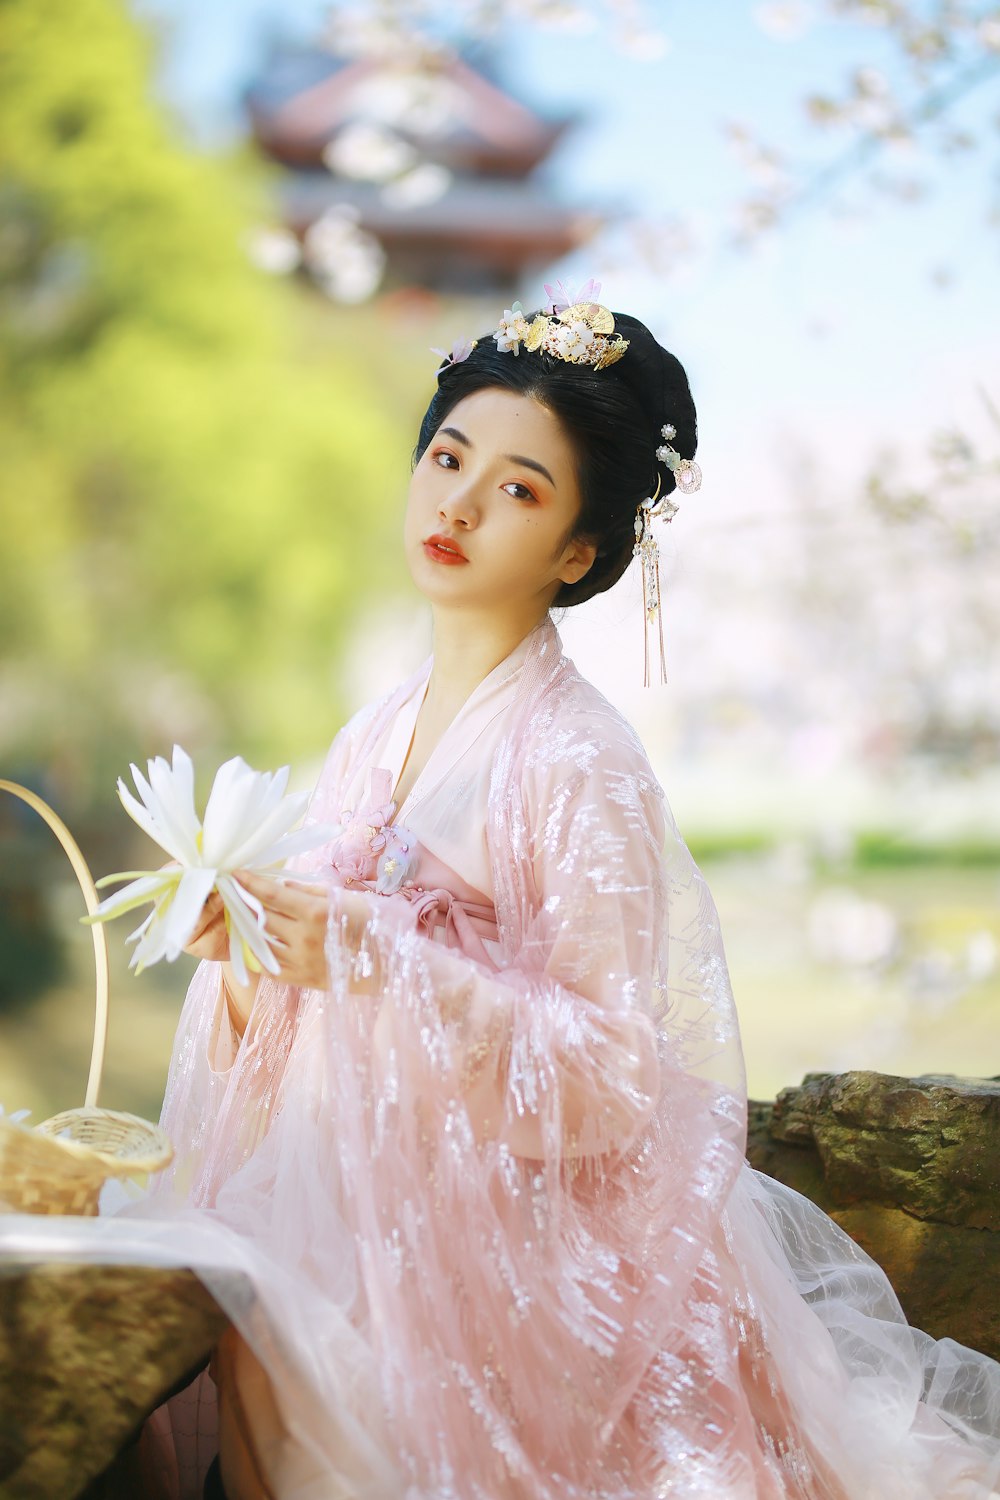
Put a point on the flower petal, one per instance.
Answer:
(241, 803)
(260, 836)
(247, 922)
(299, 841)
(150, 936)
(173, 788)
(149, 887)
(146, 820)
(226, 814)
(181, 918)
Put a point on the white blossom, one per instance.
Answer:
(247, 826)
(512, 328)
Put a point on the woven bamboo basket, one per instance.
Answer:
(60, 1165)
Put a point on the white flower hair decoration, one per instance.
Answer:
(580, 331)
(512, 330)
(248, 825)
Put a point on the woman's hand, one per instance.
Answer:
(296, 915)
(210, 939)
(296, 918)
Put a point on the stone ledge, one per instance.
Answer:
(86, 1353)
(910, 1168)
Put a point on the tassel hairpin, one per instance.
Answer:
(688, 478)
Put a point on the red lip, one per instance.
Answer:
(444, 548)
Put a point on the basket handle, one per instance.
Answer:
(97, 932)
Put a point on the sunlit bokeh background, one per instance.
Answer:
(229, 237)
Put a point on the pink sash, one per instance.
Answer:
(444, 899)
(439, 895)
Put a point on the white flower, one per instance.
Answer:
(569, 340)
(247, 826)
(512, 328)
(506, 340)
(581, 336)
(669, 431)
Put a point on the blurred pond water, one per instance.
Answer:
(892, 969)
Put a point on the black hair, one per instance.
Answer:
(612, 418)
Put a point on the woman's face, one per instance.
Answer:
(497, 482)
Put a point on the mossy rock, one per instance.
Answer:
(86, 1353)
(910, 1168)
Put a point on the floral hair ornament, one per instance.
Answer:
(687, 476)
(581, 332)
(561, 297)
(460, 349)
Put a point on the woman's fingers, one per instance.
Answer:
(209, 938)
(286, 900)
(211, 912)
(295, 917)
(273, 894)
(280, 929)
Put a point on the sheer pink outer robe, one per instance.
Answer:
(490, 1192)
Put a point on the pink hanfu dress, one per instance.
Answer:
(481, 1208)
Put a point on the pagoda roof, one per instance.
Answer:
(305, 97)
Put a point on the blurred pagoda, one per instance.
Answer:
(417, 160)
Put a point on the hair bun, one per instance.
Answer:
(658, 381)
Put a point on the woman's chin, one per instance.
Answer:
(444, 581)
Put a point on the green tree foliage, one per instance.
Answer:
(190, 478)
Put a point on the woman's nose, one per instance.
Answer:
(460, 507)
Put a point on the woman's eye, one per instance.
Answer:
(438, 457)
(525, 492)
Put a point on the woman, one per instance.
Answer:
(479, 1148)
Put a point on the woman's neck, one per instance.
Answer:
(466, 651)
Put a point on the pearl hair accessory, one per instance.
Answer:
(687, 475)
(686, 472)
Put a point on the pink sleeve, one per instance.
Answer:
(556, 1055)
(220, 1086)
(535, 1158)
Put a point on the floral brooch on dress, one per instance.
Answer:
(367, 848)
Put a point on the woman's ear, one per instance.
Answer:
(579, 560)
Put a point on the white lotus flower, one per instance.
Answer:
(247, 826)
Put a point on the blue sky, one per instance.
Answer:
(831, 335)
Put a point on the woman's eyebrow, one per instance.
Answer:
(514, 458)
